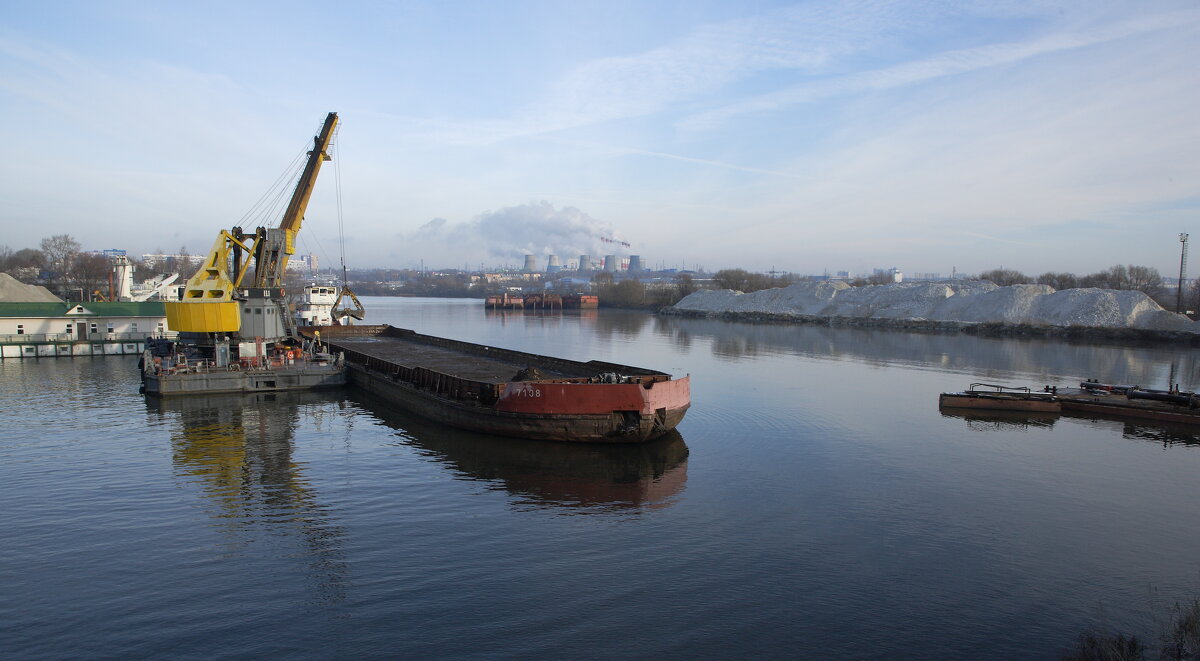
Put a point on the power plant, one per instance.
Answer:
(553, 265)
(530, 264)
(611, 263)
(585, 262)
(635, 263)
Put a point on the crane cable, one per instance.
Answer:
(337, 179)
(265, 206)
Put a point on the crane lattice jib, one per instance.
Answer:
(271, 275)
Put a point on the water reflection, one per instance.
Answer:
(1154, 366)
(625, 323)
(238, 448)
(1168, 434)
(575, 478)
(985, 421)
(538, 317)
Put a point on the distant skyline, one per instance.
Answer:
(805, 137)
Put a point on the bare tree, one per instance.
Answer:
(1059, 281)
(1005, 277)
(60, 251)
(184, 265)
(90, 273)
(1115, 277)
(735, 279)
(1139, 278)
(742, 280)
(685, 284)
(1145, 279)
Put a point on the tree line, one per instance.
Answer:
(60, 264)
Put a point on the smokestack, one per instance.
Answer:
(610, 263)
(553, 265)
(530, 264)
(635, 263)
(585, 262)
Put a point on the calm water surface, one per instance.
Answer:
(815, 504)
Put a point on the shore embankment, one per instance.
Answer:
(977, 308)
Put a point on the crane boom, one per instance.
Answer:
(273, 248)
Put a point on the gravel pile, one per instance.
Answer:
(973, 302)
(15, 291)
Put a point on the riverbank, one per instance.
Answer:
(978, 308)
(1088, 334)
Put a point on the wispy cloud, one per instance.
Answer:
(938, 66)
(804, 37)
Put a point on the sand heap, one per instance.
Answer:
(15, 291)
(971, 302)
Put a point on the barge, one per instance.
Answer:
(1000, 398)
(172, 368)
(509, 393)
(1091, 398)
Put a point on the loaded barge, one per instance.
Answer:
(509, 393)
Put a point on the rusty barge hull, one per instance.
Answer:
(473, 386)
(1119, 406)
(998, 402)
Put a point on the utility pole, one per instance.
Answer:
(1183, 238)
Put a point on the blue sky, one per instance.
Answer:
(804, 136)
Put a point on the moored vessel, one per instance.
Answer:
(1092, 398)
(235, 331)
(1000, 398)
(510, 393)
(580, 302)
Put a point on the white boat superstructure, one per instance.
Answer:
(316, 305)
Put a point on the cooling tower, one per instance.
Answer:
(530, 264)
(553, 265)
(585, 262)
(635, 263)
(611, 263)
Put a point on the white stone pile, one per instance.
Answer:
(968, 301)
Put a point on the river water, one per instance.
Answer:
(815, 504)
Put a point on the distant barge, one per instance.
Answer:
(1000, 398)
(510, 393)
(1091, 398)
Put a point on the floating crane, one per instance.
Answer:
(217, 308)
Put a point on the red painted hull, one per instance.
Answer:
(594, 398)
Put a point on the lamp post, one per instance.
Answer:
(1182, 272)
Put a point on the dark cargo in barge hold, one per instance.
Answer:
(510, 393)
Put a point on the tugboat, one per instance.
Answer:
(235, 333)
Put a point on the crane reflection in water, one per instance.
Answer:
(239, 449)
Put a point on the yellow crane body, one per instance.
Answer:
(208, 305)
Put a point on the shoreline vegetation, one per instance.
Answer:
(1178, 640)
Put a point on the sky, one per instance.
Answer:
(810, 137)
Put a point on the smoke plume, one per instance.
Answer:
(513, 232)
